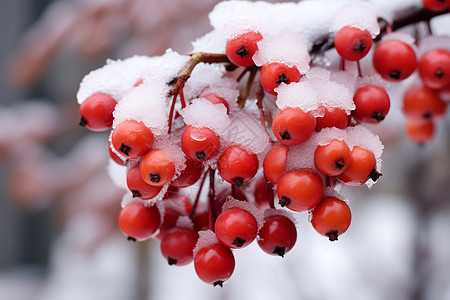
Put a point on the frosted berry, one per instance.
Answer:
(293, 126)
(332, 159)
(156, 167)
(273, 74)
(214, 99)
(240, 49)
(132, 138)
(199, 143)
(352, 43)
(138, 187)
(333, 117)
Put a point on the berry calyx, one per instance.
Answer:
(372, 104)
(300, 190)
(214, 264)
(394, 60)
(277, 236)
(156, 168)
(332, 159)
(236, 228)
(240, 49)
(236, 165)
(96, 112)
(199, 143)
(132, 139)
(352, 43)
(273, 74)
(331, 217)
(138, 221)
(293, 126)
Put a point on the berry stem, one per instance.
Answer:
(197, 197)
(242, 74)
(172, 108)
(259, 103)
(270, 194)
(246, 91)
(233, 190)
(211, 196)
(359, 68)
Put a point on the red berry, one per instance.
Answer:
(261, 193)
(132, 138)
(177, 246)
(332, 159)
(114, 156)
(300, 190)
(273, 74)
(236, 165)
(214, 264)
(190, 175)
(420, 131)
(199, 143)
(434, 68)
(362, 167)
(435, 5)
(138, 187)
(352, 43)
(423, 103)
(240, 49)
(277, 236)
(97, 112)
(156, 168)
(275, 163)
(138, 221)
(394, 60)
(333, 117)
(331, 218)
(236, 228)
(293, 126)
(372, 104)
(214, 99)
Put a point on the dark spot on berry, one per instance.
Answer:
(378, 115)
(339, 164)
(155, 178)
(242, 52)
(332, 235)
(374, 175)
(427, 115)
(238, 181)
(282, 78)
(359, 46)
(284, 201)
(395, 74)
(83, 122)
(218, 283)
(280, 251)
(172, 261)
(130, 238)
(136, 193)
(124, 149)
(238, 242)
(439, 73)
(201, 155)
(285, 135)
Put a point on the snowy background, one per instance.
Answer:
(59, 237)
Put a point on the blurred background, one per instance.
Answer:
(59, 237)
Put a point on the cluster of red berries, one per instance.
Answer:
(310, 145)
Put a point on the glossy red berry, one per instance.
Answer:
(275, 163)
(300, 190)
(277, 236)
(132, 139)
(263, 193)
(423, 103)
(293, 126)
(177, 246)
(97, 112)
(372, 104)
(362, 167)
(237, 165)
(394, 60)
(240, 49)
(199, 143)
(214, 264)
(331, 217)
(236, 228)
(434, 68)
(435, 5)
(352, 43)
(156, 167)
(190, 175)
(273, 74)
(420, 131)
(139, 222)
(333, 117)
(138, 187)
(214, 99)
(332, 159)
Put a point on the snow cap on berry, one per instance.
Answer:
(201, 77)
(303, 95)
(212, 42)
(270, 212)
(245, 205)
(360, 15)
(402, 37)
(203, 113)
(206, 238)
(184, 222)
